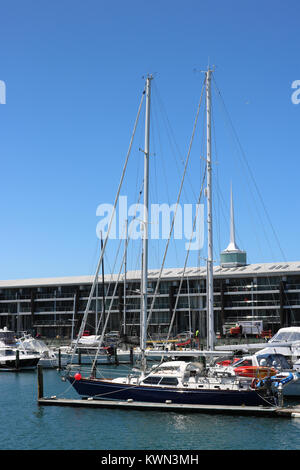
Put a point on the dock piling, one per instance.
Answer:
(40, 382)
(116, 356)
(131, 356)
(17, 359)
(59, 359)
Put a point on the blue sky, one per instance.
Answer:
(73, 73)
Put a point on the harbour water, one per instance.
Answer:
(25, 425)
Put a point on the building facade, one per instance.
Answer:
(55, 306)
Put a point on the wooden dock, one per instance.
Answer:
(293, 412)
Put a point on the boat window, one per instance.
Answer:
(168, 381)
(8, 352)
(152, 380)
(278, 361)
(168, 369)
(286, 336)
(7, 336)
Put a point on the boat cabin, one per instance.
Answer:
(289, 335)
(174, 373)
(277, 361)
(7, 337)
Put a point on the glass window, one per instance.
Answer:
(151, 380)
(286, 336)
(278, 361)
(169, 381)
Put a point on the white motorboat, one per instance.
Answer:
(286, 341)
(48, 357)
(86, 349)
(260, 365)
(12, 357)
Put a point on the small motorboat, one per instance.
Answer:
(48, 357)
(260, 366)
(13, 358)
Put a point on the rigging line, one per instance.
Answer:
(166, 186)
(116, 258)
(202, 170)
(113, 297)
(107, 316)
(177, 203)
(224, 206)
(121, 366)
(153, 181)
(110, 282)
(109, 227)
(186, 260)
(132, 262)
(255, 203)
(216, 209)
(170, 134)
(220, 194)
(249, 210)
(137, 261)
(95, 257)
(251, 174)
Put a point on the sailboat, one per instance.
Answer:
(178, 381)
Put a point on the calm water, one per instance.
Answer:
(26, 426)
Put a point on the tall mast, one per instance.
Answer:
(125, 272)
(103, 284)
(143, 326)
(209, 281)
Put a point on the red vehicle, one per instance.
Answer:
(235, 330)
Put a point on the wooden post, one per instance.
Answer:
(131, 356)
(17, 359)
(93, 371)
(116, 356)
(40, 382)
(59, 359)
(79, 357)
